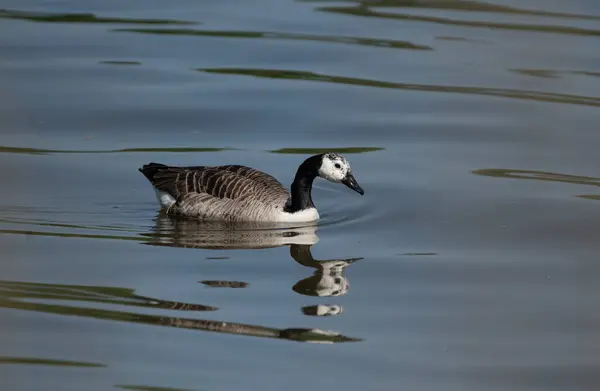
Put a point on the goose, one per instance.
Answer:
(240, 193)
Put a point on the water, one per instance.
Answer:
(470, 263)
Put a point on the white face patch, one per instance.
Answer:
(332, 286)
(334, 167)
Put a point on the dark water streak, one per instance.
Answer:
(46, 17)
(386, 43)
(484, 91)
(40, 151)
(147, 388)
(458, 5)
(13, 295)
(47, 362)
(542, 176)
(298, 151)
(367, 12)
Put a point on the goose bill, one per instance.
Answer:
(350, 181)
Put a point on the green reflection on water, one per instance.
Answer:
(314, 151)
(16, 295)
(538, 176)
(419, 254)
(69, 235)
(589, 197)
(46, 361)
(458, 5)
(551, 73)
(364, 11)
(64, 225)
(542, 176)
(38, 151)
(460, 39)
(546, 73)
(81, 18)
(498, 92)
(96, 294)
(147, 388)
(586, 73)
(116, 62)
(273, 35)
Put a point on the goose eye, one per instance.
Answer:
(337, 165)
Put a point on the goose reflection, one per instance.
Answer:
(174, 231)
(322, 310)
(327, 280)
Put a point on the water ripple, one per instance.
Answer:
(314, 151)
(47, 361)
(15, 295)
(147, 388)
(366, 12)
(118, 62)
(96, 294)
(487, 91)
(542, 176)
(47, 17)
(459, 5)
(41, 151)
(552, 73)
(387, 43)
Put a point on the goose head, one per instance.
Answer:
(335, 168)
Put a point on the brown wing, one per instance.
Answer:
(256, 175)
(233, 181)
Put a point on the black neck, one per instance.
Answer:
(302, 185)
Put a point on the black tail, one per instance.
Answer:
(150, 170)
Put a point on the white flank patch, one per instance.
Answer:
(166, 200)
(302, 216)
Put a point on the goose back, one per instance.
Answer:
(231, 192)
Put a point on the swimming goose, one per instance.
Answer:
(240, 193)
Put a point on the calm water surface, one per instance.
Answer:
(470, 263)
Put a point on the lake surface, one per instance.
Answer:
(471, 262)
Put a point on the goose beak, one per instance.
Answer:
(350, 181)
